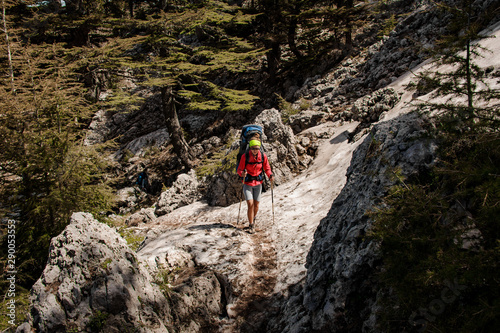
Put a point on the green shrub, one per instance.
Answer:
(287, 110)
(133, 240)
(388, 26)
(97, 321)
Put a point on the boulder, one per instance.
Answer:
(140, 145)
(185, 190)
(307, 119)
(128, 198)
(145, 215)
(93, 278)
(224, 190)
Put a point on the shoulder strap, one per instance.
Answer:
(261, 175)
(247, 157)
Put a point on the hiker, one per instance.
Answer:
(143, 181)
(253, 165)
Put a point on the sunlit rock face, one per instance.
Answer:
(93, 275)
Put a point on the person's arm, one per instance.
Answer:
(267, 168)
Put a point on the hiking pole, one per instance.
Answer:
(241, 194)
(272, 198)
(239, 210)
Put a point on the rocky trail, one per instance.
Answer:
(253, 301)
(217, 241)
(262, 265)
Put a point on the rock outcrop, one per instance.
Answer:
(185, 190)
(145, 215)
(369, 108)
(94, 282)
(339, 293)
(224, 189)
(307, 119)
(128, 198)
(92, 279)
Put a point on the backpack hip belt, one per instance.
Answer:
(249, 178)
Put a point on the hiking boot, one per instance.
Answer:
(251, 229)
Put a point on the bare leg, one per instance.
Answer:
(251, 211)
(255, 209)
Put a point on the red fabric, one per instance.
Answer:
(254, 169)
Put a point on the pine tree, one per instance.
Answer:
(441, 229)
(307, 28)
(46, 171)
(469, 101)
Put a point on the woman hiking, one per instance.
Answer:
(253, 165)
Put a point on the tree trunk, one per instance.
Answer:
(348, 31)
(470, 90)
(181, 147)
(131, 8)
(9, 55)
(292, 32)
(468, 60)
(163, 5)
(273, 58)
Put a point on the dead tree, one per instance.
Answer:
(181, 148)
